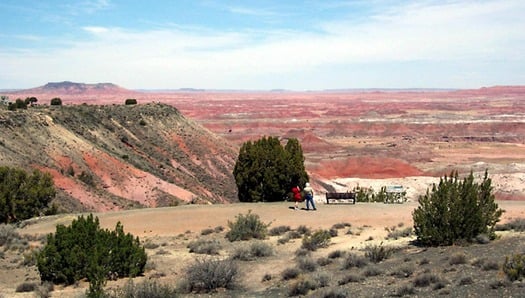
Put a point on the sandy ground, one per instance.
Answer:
(194, 218)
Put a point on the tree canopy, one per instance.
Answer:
(266, 171)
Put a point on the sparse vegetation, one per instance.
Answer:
(307, 264)
(514, 267)
(350, 278)
(301, 287)
(145, 289)
(354, 260)
(207, 231)
(255, 250)
(425, 280)
(458, 259)
(395, 233)
(290, 273)
(377, 253)
(318, 239)
(280, 230)
(26, 287)
(247, 227)
(204, 246)
(208, 274)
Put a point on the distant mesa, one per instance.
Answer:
(73, 88)
(78, 86)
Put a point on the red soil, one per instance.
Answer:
(365, 167)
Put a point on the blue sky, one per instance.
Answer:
(260, 45)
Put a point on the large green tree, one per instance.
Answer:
(23, 195)
(265, 170)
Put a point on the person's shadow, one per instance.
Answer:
(293, 208)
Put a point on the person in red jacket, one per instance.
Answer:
(296, 196)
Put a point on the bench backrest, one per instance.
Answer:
(340, 195)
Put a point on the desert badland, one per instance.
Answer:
(367, 138)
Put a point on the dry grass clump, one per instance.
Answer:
(336, 254)
(255, 250)
(146, 289)
(302, 252)
(403, 272)
(303, 230)
(207, 231)
(334, 293)
(372, 271)
(11, 240)
(341, 225)
(302, 287)
(404, 290)
(322, 261)
(26, 287)
(395, 233)
(148, 244)
(290, 273)
(209, 274)
(278, 231)
(318, 239)
(354, 261)
(350, 278)
(467, 280)
(425, 280)
(203, 246)
(377, 253)
(322, 279)
(458, 259)
(307, 264)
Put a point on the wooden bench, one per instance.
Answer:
(340, 197)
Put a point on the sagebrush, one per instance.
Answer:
(247, 227)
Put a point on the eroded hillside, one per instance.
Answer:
(113, 157)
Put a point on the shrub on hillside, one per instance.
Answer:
(455, 211)
(247, 227)
(23, 195)
(84, 250)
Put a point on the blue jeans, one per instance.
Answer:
(310, 201)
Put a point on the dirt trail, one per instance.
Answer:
(175, 220)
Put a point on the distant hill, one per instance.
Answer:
(68, 87)
(113, 157)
